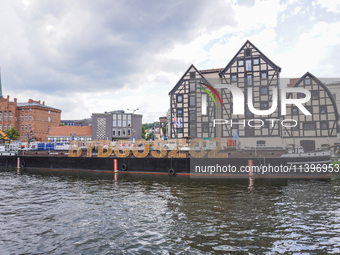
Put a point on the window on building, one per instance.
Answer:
(249, 80)
(29, 127)
(49, 118)
(22, 127)
(264, 75)
(179, 112)
(204, 104)
(22, 117)
(309, 108)
(30, 117)
(240, 63)
(124, 132)
(119, 118)
(49, 112)
(179, 98)
(324, 125)
(315, 94)
(309, 126)
(295, 110)
(234, 77)
(0, 116)
(192, 115)
(124, 120)
(256, 61)
(192, 86)
(9, 126)
(249, 114)
(118, 133)
(114, 132)
(179, 130)
(114, 122)
(129, 132)
(5, 127)
(323, 109)
(247, 52)
(49, 128)
(192, 100)
(192, 75)
(301, 95)
(22, 110)
(249, 131)
(25, 127)
(264, 106)
(0, 127)
(261, 143)
(5, 116)
(264, 91)
(307, 81)
(25, 117)
(30, 110)
(10, 115)
(129, 120)
(205, 127)
(248, 65)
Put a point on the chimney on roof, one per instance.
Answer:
(43, 102)
(30, 101)
(39, 101)
(15, 101)
(7, 97)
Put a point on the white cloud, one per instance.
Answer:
(85, 56)
(309, 53)
(330, 5)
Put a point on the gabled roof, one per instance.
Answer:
(180, 80)
(262, 55)
(320, 83)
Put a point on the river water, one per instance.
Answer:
(146, 214)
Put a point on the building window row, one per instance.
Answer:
(5, 116)
(25, 127)
(121, 120)
(5, 127)
(121, 132)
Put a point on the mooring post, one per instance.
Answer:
(18, 162)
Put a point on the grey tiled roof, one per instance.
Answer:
(35, 104)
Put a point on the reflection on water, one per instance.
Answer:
(68, 214)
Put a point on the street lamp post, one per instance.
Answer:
(30, 137)
(133, 110)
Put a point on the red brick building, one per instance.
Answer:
(33, 117)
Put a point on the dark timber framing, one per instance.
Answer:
(322, 106)
(249, 68)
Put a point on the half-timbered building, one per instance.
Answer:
(242, 101)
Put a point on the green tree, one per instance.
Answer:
(151, 136)
(164, 131)
(143, 132)
(12, 133)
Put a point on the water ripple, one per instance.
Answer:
(51, 214)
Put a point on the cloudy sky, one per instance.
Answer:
(85, 56)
